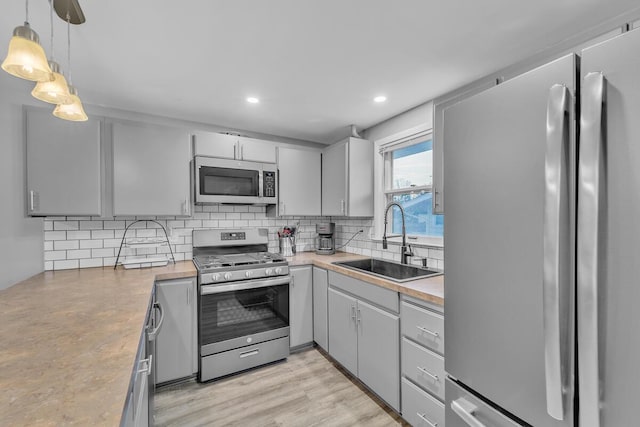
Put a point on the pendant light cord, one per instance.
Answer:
(26, 6)
(69, 47)
(51, 22)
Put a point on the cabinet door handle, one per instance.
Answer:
(149, 363)
(32, 200)
(342, 206)
(353, 312)
(429, 374)
(283, 208)
(359, 317)
(426, 420)
(427, 331)
(241, 151)
(188, 296)
(185, 206)
(235, 148)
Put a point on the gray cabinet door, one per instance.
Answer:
(300, 186)
(215, 145)
(64, 172)
(151, 170)
(320, 325)
(334, 180)
(343, 336)
(379, 352)
(301, 306)
(176, 343)
(257, 150)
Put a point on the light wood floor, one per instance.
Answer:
(307, 390)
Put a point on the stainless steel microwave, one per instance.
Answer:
(234, 181)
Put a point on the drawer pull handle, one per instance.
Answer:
(466, 411)
(249, 353)
(424, 371)
(426, 420)
(427, 331)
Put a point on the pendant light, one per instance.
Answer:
(74, 110)
(26, 58)
(55, 91)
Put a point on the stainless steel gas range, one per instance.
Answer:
(243, 301)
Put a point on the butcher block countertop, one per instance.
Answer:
(430, 289)
(68, 339)
(68, 342)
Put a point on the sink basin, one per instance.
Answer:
(388, 269)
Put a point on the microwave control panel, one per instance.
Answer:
(269, 184)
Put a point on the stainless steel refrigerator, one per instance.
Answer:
(542, 245)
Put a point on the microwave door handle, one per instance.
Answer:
(261, 184)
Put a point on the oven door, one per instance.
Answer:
(243, 313)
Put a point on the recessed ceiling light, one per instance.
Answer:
(252, 100)
(380, 99)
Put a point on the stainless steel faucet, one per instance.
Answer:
(405, 249)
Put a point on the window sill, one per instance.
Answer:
(418, 242)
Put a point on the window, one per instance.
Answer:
(408, 178)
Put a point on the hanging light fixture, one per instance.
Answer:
(72, 111)
(26, 58)
(55, 91)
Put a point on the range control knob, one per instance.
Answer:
(278, 270)
(215, 277)
(248, 273)
(227, 276)
(268, 272)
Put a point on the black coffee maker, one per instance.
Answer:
(325, 240)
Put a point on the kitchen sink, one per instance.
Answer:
(389, 270)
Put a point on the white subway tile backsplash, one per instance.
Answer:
(59, 245)
(90, 225)
(91, 262)
(65, 225)
(78, 235)
(102, 253)
(55, 235)
(65, 265)
(95, 241)
(91, 244)
(79, 253)
(102, 234)
(55, 255)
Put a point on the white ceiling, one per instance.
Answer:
(315, 65)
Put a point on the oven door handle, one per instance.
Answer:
(243, 285)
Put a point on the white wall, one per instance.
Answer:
(21, 238)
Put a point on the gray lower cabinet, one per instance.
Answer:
(300, 306)
(64, 166)
(423, 375)
(364, 338)
(320, 320)
(176, 344)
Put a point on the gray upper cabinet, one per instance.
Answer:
(301, 307)
(64, 167)
(299, 182)
(150, 170)
(176, 345)
(233, 147)
(347, 178)
(320, 323)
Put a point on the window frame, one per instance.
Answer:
(382, 185)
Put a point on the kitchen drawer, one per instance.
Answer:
(419, 408)
(422, 326)
(383, 297)
(423, 367)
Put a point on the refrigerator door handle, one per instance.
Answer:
(555, 239)
(591, 179)
(466, 410)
